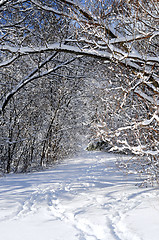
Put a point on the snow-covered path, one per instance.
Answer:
(83, 198)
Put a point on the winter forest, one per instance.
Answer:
(74, 70)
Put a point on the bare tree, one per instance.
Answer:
(119, 32)
(37, 124)
(123, 33)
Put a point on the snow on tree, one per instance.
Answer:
(123, 34)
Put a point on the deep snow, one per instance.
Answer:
(83, 198)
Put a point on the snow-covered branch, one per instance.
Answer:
(9, 61)
(32, 77)
(116, 53)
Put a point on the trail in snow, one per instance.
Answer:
(83, 198)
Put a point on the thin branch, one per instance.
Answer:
(30, 78)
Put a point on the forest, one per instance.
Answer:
(70, 69)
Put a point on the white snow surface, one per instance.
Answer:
(82, 198)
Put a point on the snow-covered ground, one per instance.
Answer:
(83, 198)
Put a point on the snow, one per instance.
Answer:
(81, 198)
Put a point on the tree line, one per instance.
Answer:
(66, 62)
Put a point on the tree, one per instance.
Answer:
(124, 33)
(115, 33)
(38, 124)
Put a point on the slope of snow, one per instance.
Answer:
(83, 198)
